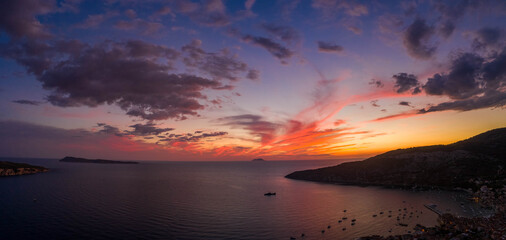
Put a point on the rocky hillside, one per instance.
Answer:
(13, 169)
(461, 164)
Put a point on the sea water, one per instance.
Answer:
(205, 200)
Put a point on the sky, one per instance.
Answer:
(228, 80)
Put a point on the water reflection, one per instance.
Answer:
(217, 200)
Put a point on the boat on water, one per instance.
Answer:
(270, 194)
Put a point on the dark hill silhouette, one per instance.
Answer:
(100, 161)
(13, 169)
(459, 164)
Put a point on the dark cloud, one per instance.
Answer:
(37, 56)
(494, 71)
(253, 74)
(488, 38)
(283, 33)
(27, 102)
(255, 124)
(147, 129)
(461, 81)
(108, 129)
(377, 83)
(328, 47)
(134, 75)
(489, 99)
(139, 129)
(188, 137)
(404, 103)
(277, 50)
(416, 39)
(141, 49)
(472, 82)
(405, 82)
(19, 18)
(221, 65)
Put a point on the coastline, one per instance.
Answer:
(454, 227)
(17, 169)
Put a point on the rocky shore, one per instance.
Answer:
(15, 169)
(476, 165)
(453, 227)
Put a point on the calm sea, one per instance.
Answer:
(203, 200)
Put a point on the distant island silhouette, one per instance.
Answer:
(15, 169)
(100, 161)
(482, 157)
(258, 160)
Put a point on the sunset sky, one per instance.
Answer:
(236, 80)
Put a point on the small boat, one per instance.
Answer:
(344, 218)
(270, 194)
(403, 224)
